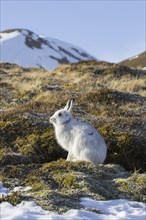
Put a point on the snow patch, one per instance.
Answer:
(119, 209)
(22, 189)
(3, 191)
(7, 36)
(135, 57)
(112, 209)
(27, 210)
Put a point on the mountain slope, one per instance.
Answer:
(28, 49)
(29, 96)
(138, 61)
(108, 96)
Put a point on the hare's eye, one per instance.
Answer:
(59, 114)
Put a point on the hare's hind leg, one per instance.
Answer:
(84, 149)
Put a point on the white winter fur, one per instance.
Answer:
(80, 139)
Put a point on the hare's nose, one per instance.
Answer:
(52, 120)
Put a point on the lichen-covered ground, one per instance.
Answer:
(109, 96)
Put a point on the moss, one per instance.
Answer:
(24, 140)
(3, 152)
(32, 139)
(123, 147)
(134, 186)
(37, 186)
(26, 135)
(55, 165)
(28, 150)
(14, 198)
(65, 180)
(59, 185)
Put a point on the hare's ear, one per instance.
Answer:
(69, 105)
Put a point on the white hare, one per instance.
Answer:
(80, 139)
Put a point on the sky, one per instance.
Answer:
(111, 30)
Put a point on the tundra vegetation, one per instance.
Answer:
(109, 96)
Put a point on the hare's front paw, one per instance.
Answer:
(70, 157)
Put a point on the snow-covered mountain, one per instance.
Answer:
(28, 49)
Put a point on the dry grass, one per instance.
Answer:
(35, 94)
(102, 75)
(72, 77)
(128, 84)
(26, 82)
(30, 96)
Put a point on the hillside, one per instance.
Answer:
(25, 48)
(109, 96)
(137, 61)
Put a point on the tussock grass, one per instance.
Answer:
(128, 84)
(109, 96)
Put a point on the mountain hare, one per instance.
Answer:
(80, 139)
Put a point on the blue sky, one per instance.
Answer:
(109, 30)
